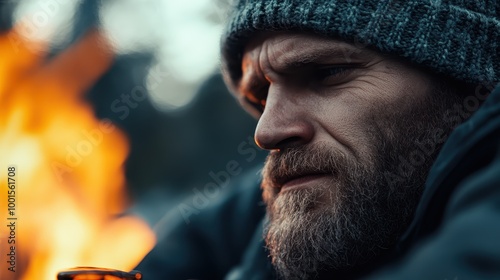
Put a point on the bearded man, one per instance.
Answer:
(354, 101)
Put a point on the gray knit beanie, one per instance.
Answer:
(458, 38)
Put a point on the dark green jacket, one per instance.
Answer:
(456, 230)
(455, 234)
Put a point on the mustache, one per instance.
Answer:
(288, 164)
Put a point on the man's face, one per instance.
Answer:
(339, 122)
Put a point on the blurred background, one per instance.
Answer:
(174, 124)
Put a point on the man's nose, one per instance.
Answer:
(283, 124)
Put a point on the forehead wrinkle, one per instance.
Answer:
(282, 55)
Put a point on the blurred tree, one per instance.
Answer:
(6, 11)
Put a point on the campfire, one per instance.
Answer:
(62, 183)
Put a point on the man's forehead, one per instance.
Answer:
(287, 49)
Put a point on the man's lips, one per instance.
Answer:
(301, 180)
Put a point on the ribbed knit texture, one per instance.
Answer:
(458, 38)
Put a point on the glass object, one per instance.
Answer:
(95, 273)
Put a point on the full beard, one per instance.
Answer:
(359, 212)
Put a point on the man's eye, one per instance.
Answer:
(332, 74)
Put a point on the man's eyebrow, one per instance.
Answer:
(321, 54)
(297, 58)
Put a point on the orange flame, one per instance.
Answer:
(69, 179)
